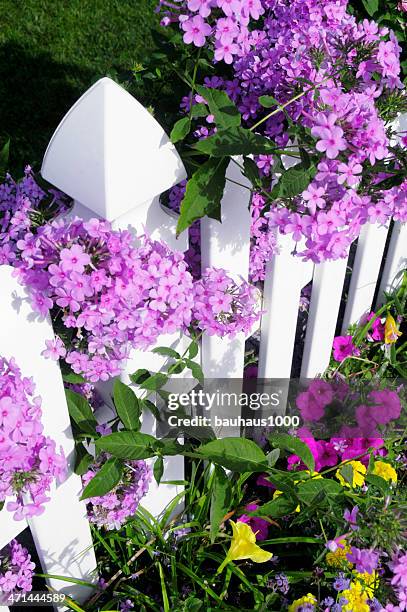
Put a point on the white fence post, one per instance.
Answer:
(396, 260)
(61, 534)
(115, 160)
(365, 272)
(326, 296)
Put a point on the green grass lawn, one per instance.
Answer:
(51, 51)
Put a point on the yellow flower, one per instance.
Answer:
(385, 470)
(391, 332)
(338, 558)
(356, 598)
(367, 582)
(359, 471)
(307, 599)
(243, 546)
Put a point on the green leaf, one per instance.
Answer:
(152, 408)
(294, 181)
(75, 379)
(378, 482)
(273, 456)
(105, 479)
(140, 376)
(346, 472)
(158, 469)
(127, 405)
(129, 445)
(196, 370)
(235, 141)
(268, 101)
(251, 170)
(221, 106)
(236, 454)
(276, 508)
(199, 110)
(82, 459)
(193, 349)
(80, 412)
(371, 6)
(166, 351)
(204, 193)
(154, 382)
(295, 446)
(220, 500)
(180, 130)
(309, 489)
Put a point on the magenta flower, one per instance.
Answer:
(313, 197)
(196, 30)
(343, 347)
(365, 560)
(203, 6)
(259, 526)
(225, 52)
(348, 173)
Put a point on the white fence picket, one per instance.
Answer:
(326, 296)
(365, 272)
(61, 534)
(396, 260)
(286, 275)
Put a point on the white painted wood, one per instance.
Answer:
(61, 533)
(226, 245)
(286, 275)
(326, 295)
(365, 273)
(396, 260)
(110, 154)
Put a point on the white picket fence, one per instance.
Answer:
(113, 158)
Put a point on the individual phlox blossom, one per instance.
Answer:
(196, 30)
(399, 569)
(223, 306)
(55, 349)
(29, 461)
(16, 569)
(113, 509)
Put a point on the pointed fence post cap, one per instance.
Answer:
(110, 154)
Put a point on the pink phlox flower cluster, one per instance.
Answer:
(113, 293)
(29, 462)
(223, 306)
(113, 509)
(16, 569)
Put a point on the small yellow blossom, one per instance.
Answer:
(243, 546)
(367, 582)
(359, 471)
(391, 331)
(385, 470)
(356, 598)
(307, 599)
(338, 558)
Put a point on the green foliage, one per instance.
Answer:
(127, 405)
(105, 479)
(80, 412)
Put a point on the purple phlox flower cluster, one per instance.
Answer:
(16, 569)
(223, 306)
(113, 509)
(279, 583)
(260, 526)
(306, 41)
(113, 293)
(365, 560)
(29, 461)
(20, 204)
(223, 22)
